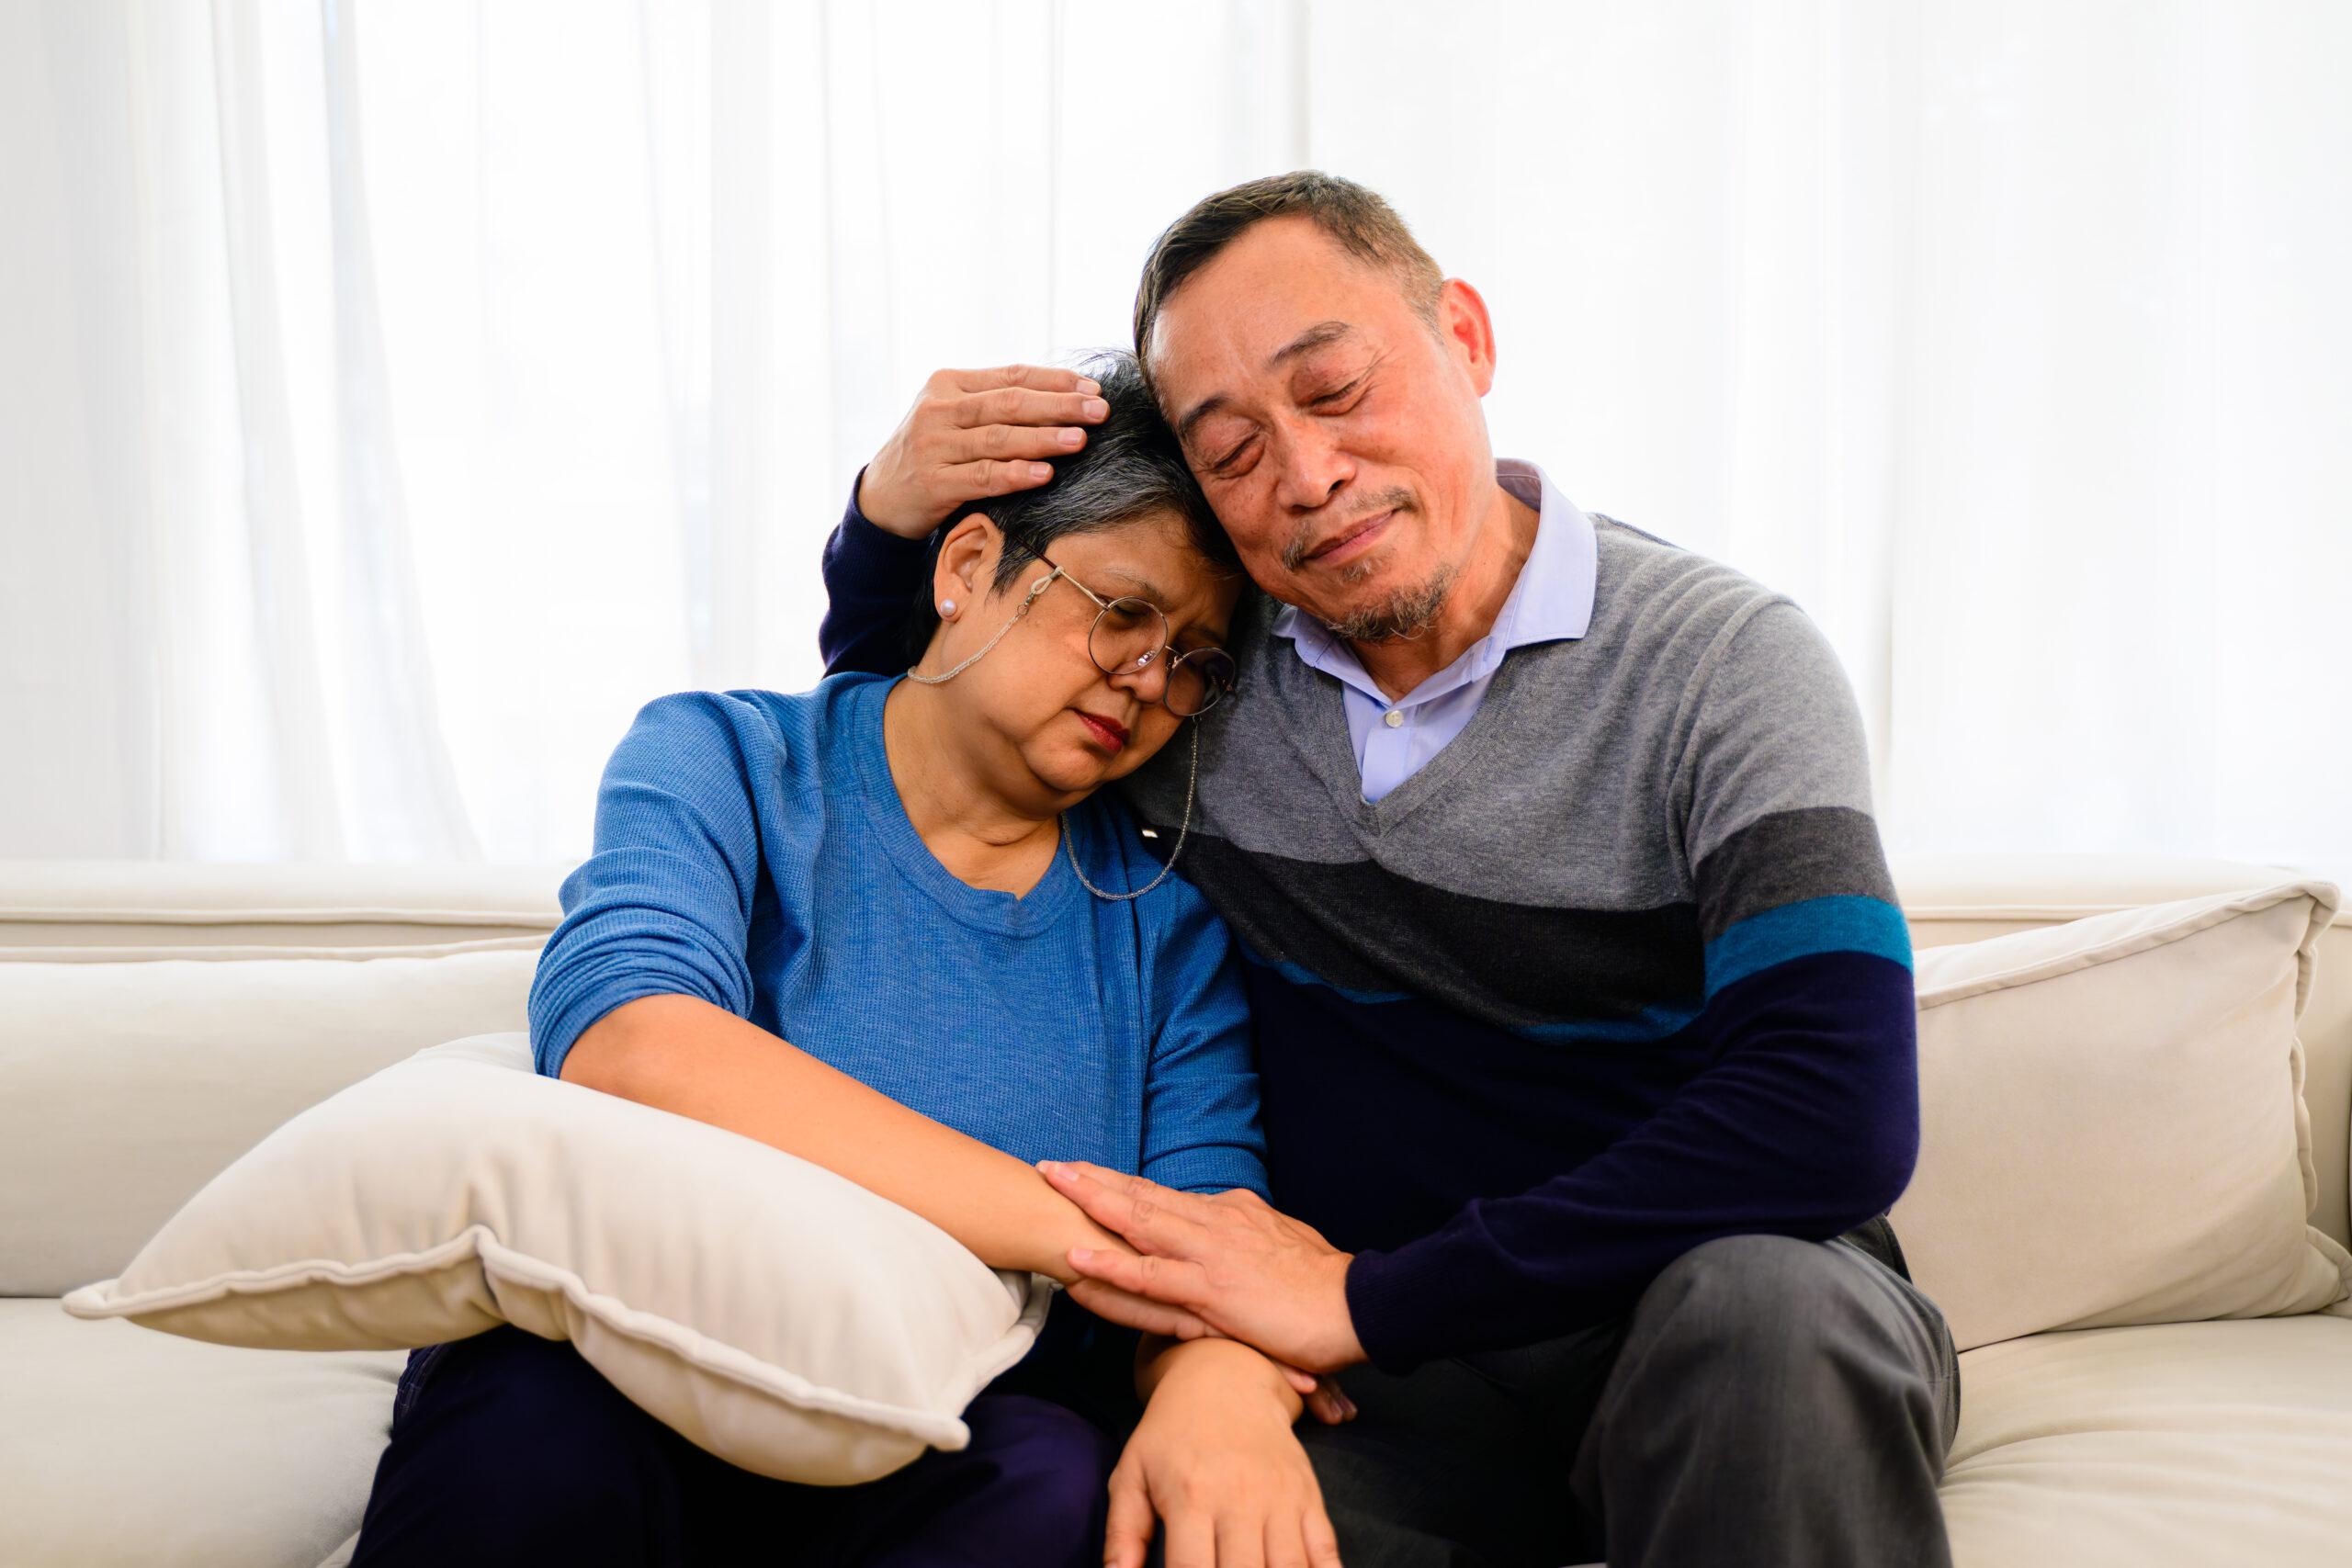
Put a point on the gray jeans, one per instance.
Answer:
(1766, 1401)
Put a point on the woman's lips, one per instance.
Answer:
(1107, 730)
(1349, 545)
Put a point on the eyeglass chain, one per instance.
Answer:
(1062, 827)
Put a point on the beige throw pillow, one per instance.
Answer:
(2113, 1127)
(776, 1315)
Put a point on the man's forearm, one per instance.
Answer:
(871, 578)
(683, 1055)
(1806, 1125)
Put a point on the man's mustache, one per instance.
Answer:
(1311, 530)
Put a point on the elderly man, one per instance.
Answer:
(1582, 1000)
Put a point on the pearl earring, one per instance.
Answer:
(946, 607)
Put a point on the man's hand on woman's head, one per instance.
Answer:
(974, 433)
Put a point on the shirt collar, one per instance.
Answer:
(1552, 599)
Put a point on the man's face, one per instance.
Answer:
(1340, 439)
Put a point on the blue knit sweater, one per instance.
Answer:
(752, 850)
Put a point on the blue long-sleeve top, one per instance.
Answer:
(750, 849)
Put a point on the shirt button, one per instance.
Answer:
(1393, 717)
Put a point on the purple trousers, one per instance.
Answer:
(507, 1448)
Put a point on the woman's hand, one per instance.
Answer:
(1215, 1459)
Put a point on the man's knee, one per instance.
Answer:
(1794, 1330)
(1761, 1295)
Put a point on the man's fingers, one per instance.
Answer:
(1127, 1533)
(1157, 1219)
(992, 476)
(1042, 378)
(1330, 1404)
(1305, 1382)
(1012, 441)
(1017, 405)
(1115, 1306)
(1168, 1280)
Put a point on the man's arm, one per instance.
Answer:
(1805, 1123)
(970, 435)
(871, 580)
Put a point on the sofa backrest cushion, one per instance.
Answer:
(1951, 900)
(2112, 1123)
(125, 1086)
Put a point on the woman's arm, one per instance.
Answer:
(683, 1055)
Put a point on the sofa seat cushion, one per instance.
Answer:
(2156, 1445)
(122, 1446)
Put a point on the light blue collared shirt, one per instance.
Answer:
(1552, 599)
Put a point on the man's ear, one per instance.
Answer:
(966, 561)
(1467, 332)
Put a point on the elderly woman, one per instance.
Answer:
(889, 925)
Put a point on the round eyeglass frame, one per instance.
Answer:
(1216, 690)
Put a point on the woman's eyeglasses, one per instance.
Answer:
(1131, 635)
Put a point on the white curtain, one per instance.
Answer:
(393, 396)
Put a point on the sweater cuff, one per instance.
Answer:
(866, 545)
(1400, 1308)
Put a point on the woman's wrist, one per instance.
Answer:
(1227, 1369)
(1058, 1226)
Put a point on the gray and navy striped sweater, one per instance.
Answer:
(1618, 971)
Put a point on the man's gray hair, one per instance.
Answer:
(1365, 225)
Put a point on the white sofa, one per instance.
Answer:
(2194, 1443)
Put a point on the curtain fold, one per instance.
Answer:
(399, 395)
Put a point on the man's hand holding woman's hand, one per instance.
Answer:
(974, 434)
(1067, 1228)
(1230, 1265)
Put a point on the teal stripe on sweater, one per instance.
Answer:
(1843, 923)
(1659, 1021)
(1299, 975)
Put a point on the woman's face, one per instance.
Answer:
(1038, 691)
